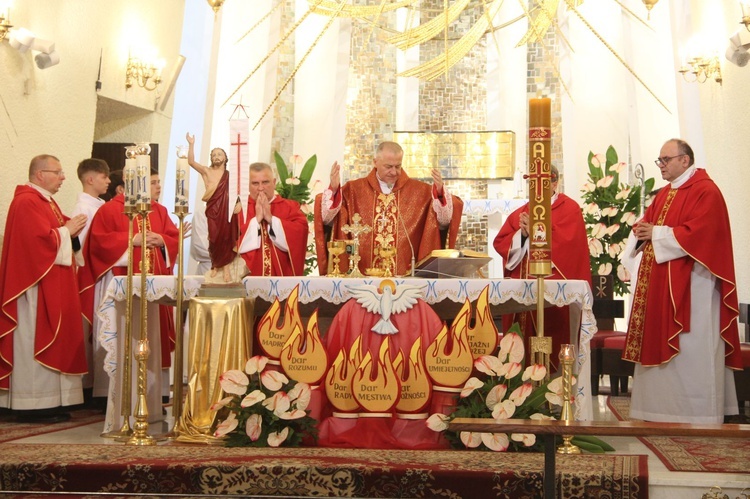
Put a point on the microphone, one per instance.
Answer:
(413, 258)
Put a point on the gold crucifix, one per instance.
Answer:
(355, 229)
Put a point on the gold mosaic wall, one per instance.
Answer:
(282, 135)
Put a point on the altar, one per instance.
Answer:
(328, 294)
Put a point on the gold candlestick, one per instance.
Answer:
(140, 427)
(180, 211)
(567, 357)
(126, 409)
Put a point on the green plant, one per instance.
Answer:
(264, 408)
(610, 209)
(297, 188)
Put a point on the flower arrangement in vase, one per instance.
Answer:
(610, 209)
(264, 408)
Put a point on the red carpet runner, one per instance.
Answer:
(192, 469)
(712, 455)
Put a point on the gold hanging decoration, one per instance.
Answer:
(216, 5)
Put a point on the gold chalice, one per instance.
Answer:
(335, 249)
(386, 254)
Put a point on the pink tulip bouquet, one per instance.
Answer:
(504, 389)
(264, 408)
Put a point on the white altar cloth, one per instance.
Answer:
(513, 293)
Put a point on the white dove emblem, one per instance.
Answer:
(386, 301)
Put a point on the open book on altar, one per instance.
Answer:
(452, 263)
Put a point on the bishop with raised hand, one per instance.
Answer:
(409, 215)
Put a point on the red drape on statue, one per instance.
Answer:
(222, 233)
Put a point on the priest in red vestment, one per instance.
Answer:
(42, 355)
(683, 332)
(411, 216)
(570, 260)
(106, 255)
(274, 232)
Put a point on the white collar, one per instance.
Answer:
(44, 192)
(680, 181)
(387, 189)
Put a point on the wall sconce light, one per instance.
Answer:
(745, 6)
(5, 24)
(700, 69)
(143, 72)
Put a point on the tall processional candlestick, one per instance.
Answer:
(540, 232)
(126, 409)
(181, 208)
(140, 434)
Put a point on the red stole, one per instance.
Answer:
(31, 228)
(661, 307)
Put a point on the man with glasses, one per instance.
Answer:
(682, 332)
(42, 355)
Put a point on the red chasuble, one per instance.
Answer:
(268, 259)
(29, 250)
(108, 241)
(570, 260)
(412, 221)
(698, 215)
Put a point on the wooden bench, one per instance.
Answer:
(548, 430)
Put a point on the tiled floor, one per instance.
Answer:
(663, 484)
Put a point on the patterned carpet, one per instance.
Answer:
(713, 455)
(12, 430)
(192, 469)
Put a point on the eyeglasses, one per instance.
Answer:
(665, 160)
(59, 173)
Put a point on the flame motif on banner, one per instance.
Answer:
(416, 389)
(375, 385)
(271, 336)
(303, 356)
(449, 359)
(483, 336)
(339, 379)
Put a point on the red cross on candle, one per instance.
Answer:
(539, 175)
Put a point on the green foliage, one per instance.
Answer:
(610, 209)
(297, 188)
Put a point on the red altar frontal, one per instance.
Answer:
(383, 365)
